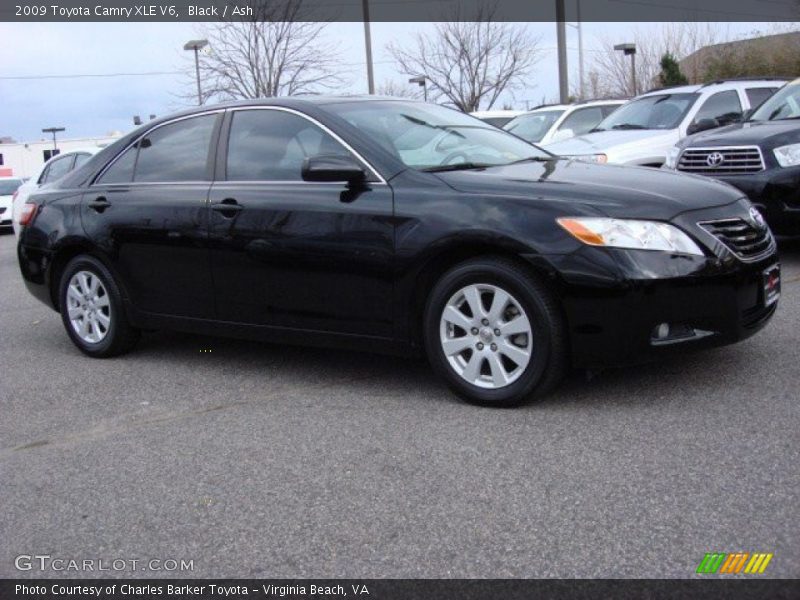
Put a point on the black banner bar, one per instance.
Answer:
(631, 11)
(397, 589)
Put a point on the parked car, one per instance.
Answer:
(760, 156)
(299, 220)
(51, 171)
(556, 122)
(644, 130)
(8, 189)
(498, 118)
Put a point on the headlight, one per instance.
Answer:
(788, 156)
(627, 233)
(599, 159)
(672, 157)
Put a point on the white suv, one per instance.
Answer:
(556, 122)
(642, 131)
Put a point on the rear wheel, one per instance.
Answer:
(92, 309)
(494, 332)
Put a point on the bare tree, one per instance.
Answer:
(613, 69)
(471, 63)
(391, 88)
(276, 51)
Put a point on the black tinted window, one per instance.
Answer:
(270, 145)
(757, 95)
(176, 152)
(722, 106)
(122, 170)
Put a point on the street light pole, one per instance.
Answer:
(197, 45)
(368, 43)
(630, 50)
(422, 81)
(53, 130)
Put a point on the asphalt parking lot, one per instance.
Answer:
(266, 461)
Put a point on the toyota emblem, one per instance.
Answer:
(715, 159)
(757, 218)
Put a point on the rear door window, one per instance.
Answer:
(57, 169)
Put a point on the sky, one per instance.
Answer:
(50, 55)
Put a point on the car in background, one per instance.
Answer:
(52, 170)
(760, 156)
(644, 130)
(556, 122)
(8, 189)
(498, 118)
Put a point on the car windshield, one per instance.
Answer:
(533, 126)
(431, 137)
(785, 104)
(662, 111)
(9, 186)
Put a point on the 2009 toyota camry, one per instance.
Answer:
(395, 226)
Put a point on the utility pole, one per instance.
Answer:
(561, 35)
(579, 28)
(368, 43)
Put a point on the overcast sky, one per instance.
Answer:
(93, 106)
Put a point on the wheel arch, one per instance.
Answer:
(64, 254)
(448, 255)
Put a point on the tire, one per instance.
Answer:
(485, 368)
(92, 309)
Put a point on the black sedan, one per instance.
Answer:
(760, 156)
(395, 226)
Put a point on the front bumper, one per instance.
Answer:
(776, 192)
(615, 300)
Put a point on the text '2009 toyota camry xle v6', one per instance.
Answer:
(395, 226)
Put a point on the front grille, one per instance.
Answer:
(721, 161)
(740, 237)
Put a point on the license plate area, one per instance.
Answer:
(772, 284)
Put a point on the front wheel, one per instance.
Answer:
(92, 309)
(495, 333)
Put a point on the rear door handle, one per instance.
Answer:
(99, 204)
(228, 207)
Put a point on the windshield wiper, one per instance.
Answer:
(596, 129)
(787, 118)
(628, 126)
(458, 167)
(534, 159)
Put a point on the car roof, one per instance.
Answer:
(606, 102)
(711, 86)
(496, 113)
(7, 177)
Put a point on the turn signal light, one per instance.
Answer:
(583, 233)
(27, 213)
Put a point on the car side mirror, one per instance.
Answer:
(563, 134)
(332, 168)
(702, 125)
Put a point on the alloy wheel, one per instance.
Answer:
(88, 307)
(486, 336)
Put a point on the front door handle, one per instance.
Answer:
(227, 208)
(99, 204)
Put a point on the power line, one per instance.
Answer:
(79, 75)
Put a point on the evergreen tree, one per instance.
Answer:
(671, 72)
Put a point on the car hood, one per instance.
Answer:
(772, 133)
(603, 141)
(611, 190)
